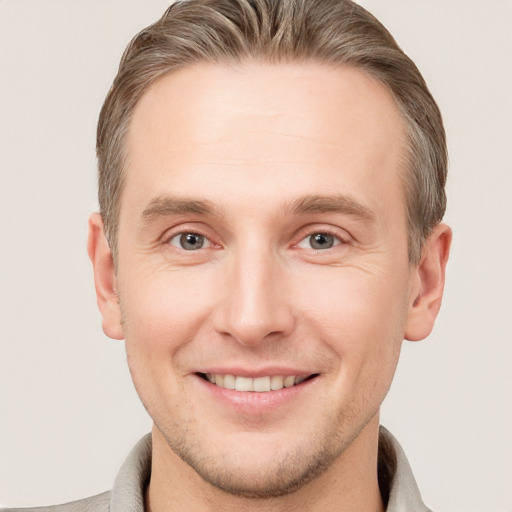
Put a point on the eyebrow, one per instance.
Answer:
(312, 204)
(163, 206)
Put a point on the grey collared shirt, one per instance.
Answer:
(396, 482)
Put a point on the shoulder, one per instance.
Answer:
(98, 503)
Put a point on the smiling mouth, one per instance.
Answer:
(258, 384)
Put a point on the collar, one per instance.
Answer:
(396, 481)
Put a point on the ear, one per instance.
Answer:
(104, 278)
(430, 276)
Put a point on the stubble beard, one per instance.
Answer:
(229, 474)
(282, 475)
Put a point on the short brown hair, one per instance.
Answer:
(330, 31)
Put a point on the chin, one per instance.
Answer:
(279, 476)
(258, 468)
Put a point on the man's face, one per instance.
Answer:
(262, 242)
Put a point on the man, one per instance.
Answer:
(271, 186)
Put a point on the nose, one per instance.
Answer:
(255, 304)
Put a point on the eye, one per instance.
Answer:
(319, 241)
(189, 241)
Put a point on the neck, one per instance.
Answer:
(349, 484)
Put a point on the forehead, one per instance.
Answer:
(240, 128)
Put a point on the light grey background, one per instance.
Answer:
(68, 412)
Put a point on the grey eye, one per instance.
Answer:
(188, 241)
(320, 241)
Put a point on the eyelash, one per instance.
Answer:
(338, 240)
(168, 240)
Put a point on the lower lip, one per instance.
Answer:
(254, 402)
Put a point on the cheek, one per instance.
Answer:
(162, 311)
(162, 314)
(360, 315)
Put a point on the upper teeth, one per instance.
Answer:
(273, 383)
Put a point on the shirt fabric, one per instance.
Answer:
(396, 483)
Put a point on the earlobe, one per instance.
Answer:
(430, 275)
(104, 278)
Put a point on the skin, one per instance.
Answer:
(256, 158)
